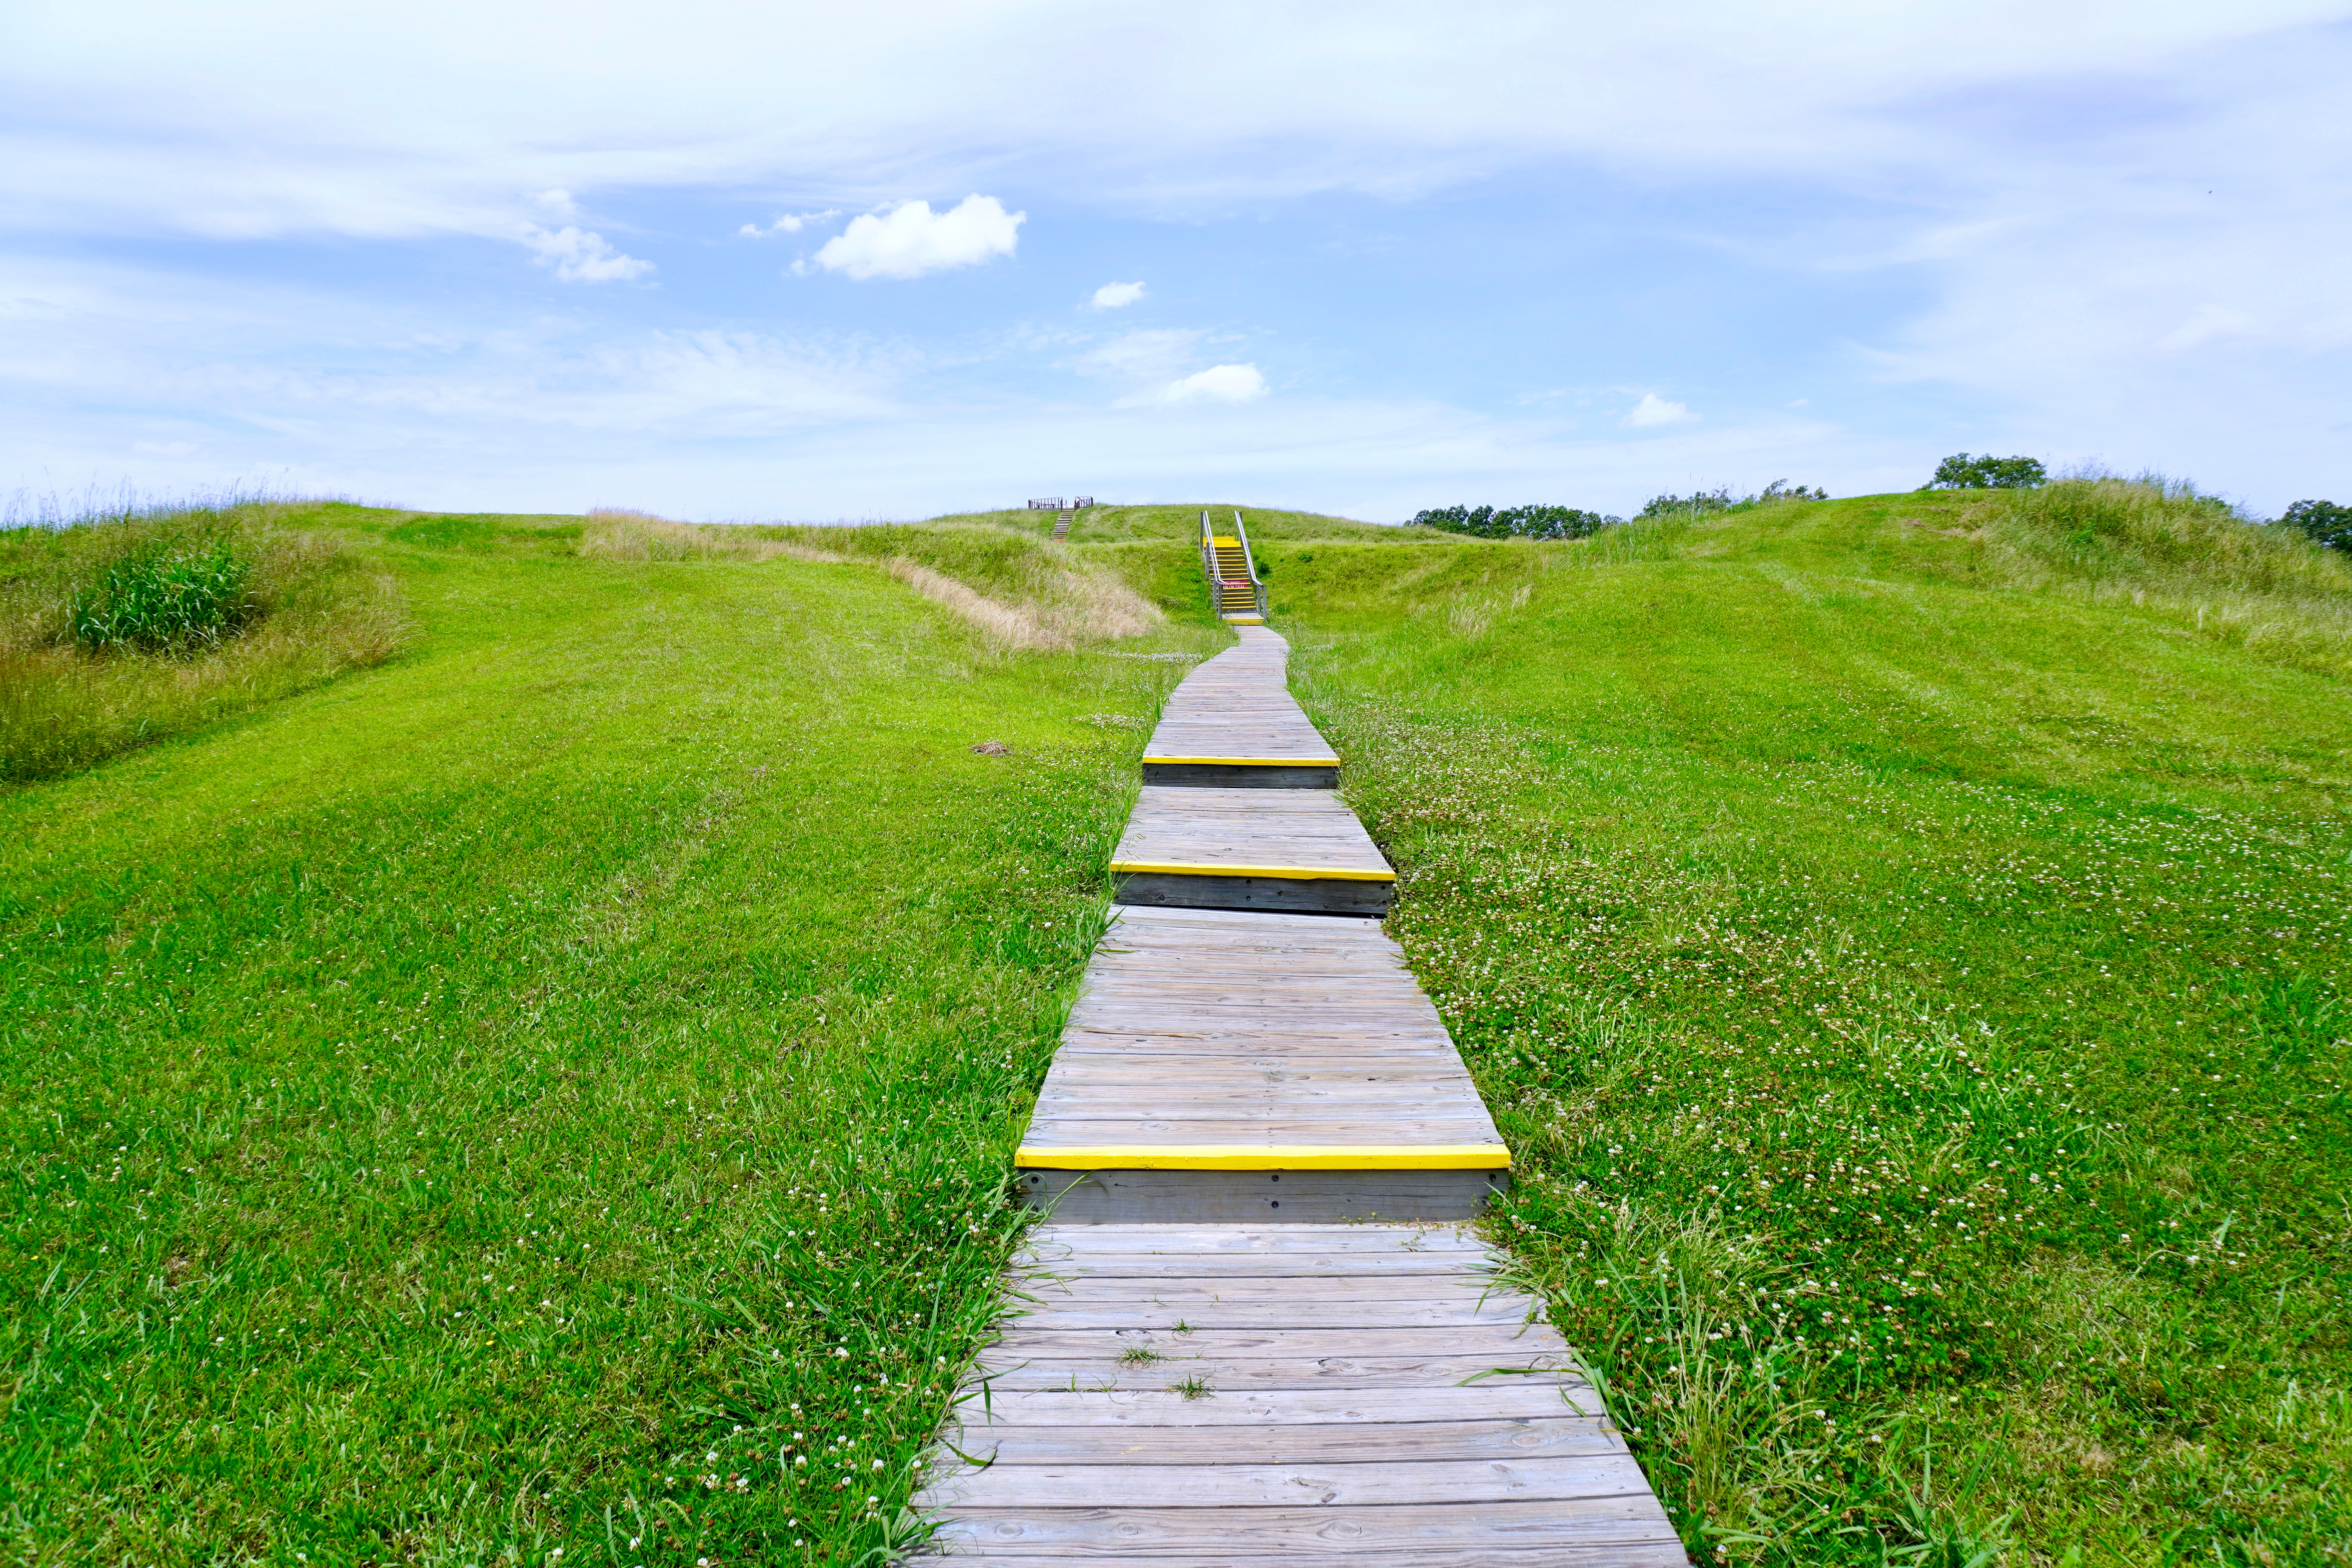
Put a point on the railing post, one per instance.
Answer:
(1249, 563)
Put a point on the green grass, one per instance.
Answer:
(1122, 525)
(1915, 1005)
(121, 629)
(535, 1093)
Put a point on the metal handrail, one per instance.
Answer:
(1249, 563)
(1209, 568)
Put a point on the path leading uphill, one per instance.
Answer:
(1252, 1331)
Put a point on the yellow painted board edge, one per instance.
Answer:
(1279, 1157)
(1245, 620)
(1293, 873)
(1223, 539)
(1256, 762)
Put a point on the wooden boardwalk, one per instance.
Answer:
(1241, 1066)
(1223, 1349)
(1234, 723)
(1250, 848)
(1195, 1395)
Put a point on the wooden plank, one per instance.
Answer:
(1299, 1198)
(1305, 828)
(1542, 1477)
(1614, 1555)
(1208, 1242)
(1333, 1535)
(1304, 1292)
(1107, 1373)
(1164, 1317)
(1215, 1342)
(1299, 1410)
(1008, 1445)
(1248, 1266)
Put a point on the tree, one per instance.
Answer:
(1961, 473)
(1514, 522)
(2323, 521)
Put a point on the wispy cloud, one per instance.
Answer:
(1112, 296)
(580, 256)
(911, 239)
(788, 223)
(1152, 354)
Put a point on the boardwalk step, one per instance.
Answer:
(1294, 1420)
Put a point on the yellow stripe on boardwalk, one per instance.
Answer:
(1278, 1157)
(1255, 762)
(1295, 873)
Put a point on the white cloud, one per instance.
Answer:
(1218, 383)
(580, 256)
(911, 239)
(1653, 411)
(1112, 296)
(788, 223)
(558, 203)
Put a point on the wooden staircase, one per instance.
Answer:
(1234, 591)
(1062, 524)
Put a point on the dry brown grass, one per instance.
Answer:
(620, 533)
(320, 612)
(1019, 592)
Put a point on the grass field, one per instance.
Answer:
(1915, 1005)
(553, 1091)
(87, 669)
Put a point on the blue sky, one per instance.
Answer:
(493, 256)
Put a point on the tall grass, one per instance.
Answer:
(1020, 592)
(2159, 543)
(126, 627)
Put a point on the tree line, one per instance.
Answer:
(2323, 521)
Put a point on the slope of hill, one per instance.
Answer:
(1914, 991)
(542, 1091)
(553, 1089)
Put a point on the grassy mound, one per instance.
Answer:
(1913, 990)
(118, 630)
(2270, 589)
(553, 1090)
(1018, 590)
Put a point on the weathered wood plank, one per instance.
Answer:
(1331, 1533)
(1220, 1342)
(1542, 1477)
(1160, 1317)
(1302, 1409)
(1506, 1438)
(1241, 1198)
(1613, 1555)
(1108, 1372)
(1211, 1241)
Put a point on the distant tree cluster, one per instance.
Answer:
(1706, 503)
(1962, 472)
(2323, 521)
(1515, 522)
(1572, 522)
